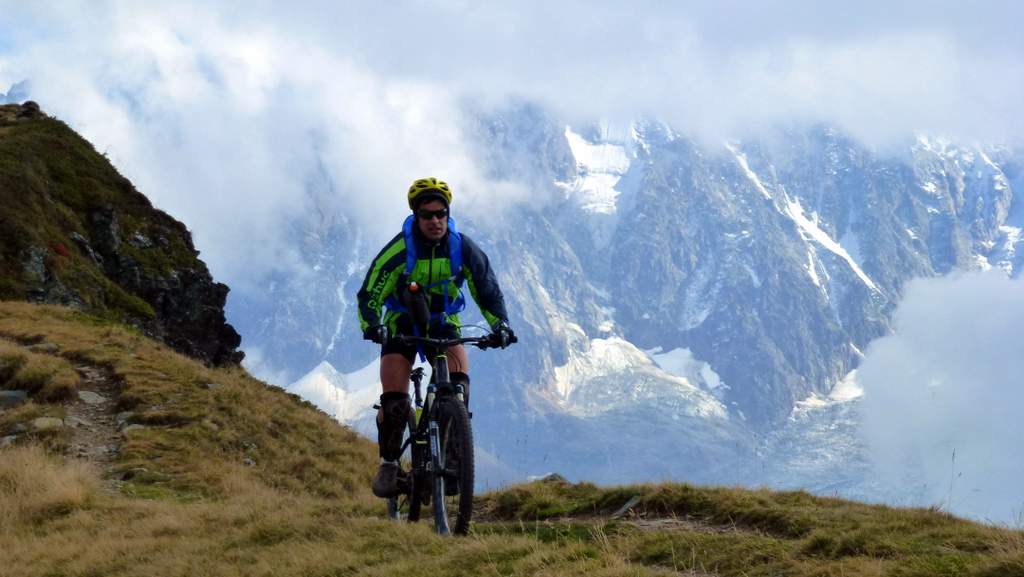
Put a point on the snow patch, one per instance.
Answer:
(348, 397)
(847, 389)
(613, 373)
(741, 159)
(810, 231)
(681, 363)
(600, 168)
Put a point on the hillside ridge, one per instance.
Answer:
(74, 232)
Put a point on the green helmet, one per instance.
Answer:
(429, 187)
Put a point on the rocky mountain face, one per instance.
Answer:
(665, 289)
(75, 232)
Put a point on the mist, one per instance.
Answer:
(223, 113)
(943, 395)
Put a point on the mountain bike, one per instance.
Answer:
(441, 466)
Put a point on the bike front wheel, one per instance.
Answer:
(453, 481)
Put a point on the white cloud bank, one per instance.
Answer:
(951, 378)
(222, 113)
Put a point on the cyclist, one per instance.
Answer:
(425, 252)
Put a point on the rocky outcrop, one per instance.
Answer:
(75, 232)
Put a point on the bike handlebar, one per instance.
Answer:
(482, 343)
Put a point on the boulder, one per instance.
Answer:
(47, 424)
(12, 399)
(91, 398)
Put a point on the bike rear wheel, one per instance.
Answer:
(453, 483)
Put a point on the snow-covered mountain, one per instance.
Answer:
(685, 310)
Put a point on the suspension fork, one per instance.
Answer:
(441, 378)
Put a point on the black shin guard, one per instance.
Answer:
(391, 425)
(460, 378)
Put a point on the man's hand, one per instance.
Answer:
(377, 334)
(502, 336)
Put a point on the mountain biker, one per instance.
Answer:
(436, 245)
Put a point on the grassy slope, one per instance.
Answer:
(304, 507)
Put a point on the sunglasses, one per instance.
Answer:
(425, 214)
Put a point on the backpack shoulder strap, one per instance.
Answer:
(410, 244)
(455, 251)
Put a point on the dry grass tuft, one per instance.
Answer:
(38, 487)
(45, 377)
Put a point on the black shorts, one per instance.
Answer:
(404, 327)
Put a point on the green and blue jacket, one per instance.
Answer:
(433, 266)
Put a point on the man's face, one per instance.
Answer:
(432, 218)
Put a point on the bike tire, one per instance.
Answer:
(456, 447)
(415, 503)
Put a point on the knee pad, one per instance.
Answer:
(395, 408)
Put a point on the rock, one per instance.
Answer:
(133, 427)
(34, 265)
(76, 422)
(29, 109)
(11, 399)
(123, 417)
(83, 243)
(627, 507)
(138, 240)
(91, 398)
(554, 478)
(8, 440)
(47, 424)
(19, 428)
(249, 462)
(212, 386)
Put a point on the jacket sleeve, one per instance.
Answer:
(380, 281)
(483, 284)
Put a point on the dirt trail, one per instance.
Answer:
(93, 423)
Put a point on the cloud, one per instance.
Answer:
(225, 125)
(950, 379)
(223, 113)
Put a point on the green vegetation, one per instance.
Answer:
(229, 476)
(732, 531)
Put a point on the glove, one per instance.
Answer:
(377, 334)
(502, 336)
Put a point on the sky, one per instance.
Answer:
(230, 107)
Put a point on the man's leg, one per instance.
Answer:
(458, 368)
(391, 420)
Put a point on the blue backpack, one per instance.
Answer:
(451, 306)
